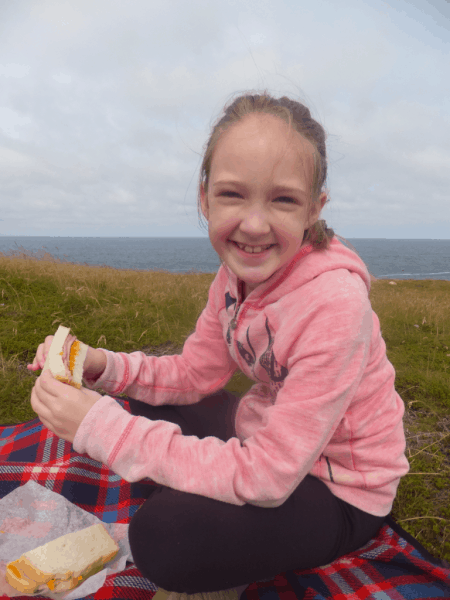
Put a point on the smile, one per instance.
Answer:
(252, 249)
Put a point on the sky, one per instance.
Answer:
(106, 108)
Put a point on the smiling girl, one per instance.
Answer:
(305, 466)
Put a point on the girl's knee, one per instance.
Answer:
(144, 546)
(151, 554)
(150, 535)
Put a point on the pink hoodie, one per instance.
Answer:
(323, 401)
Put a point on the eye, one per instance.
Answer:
(291, 200)
(285, 198)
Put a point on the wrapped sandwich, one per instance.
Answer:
(66, 357)
(62, 564)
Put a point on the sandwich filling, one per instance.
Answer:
(68, 354)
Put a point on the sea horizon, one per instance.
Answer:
(384, 257)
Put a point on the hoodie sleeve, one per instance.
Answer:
(328, 359)
(204, 366)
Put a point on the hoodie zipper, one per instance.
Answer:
(233, 323)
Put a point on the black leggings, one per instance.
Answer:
(188, 543)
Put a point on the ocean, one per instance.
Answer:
(384, 258)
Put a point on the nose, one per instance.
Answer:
(255, 221)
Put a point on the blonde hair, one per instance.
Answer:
(296, 115)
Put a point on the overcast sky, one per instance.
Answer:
(106, 105)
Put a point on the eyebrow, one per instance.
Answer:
(278, 188)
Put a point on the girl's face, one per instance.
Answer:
(259, 194)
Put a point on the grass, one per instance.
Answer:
(155, 311)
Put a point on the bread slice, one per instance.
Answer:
(64, 563)
(66, 358)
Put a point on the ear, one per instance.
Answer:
(204, 201)
(316, 210)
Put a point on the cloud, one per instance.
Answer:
(105, 108)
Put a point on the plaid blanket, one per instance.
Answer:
(393, 565)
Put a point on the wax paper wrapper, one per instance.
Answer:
(32, 515)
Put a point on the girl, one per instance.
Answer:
(304, 468)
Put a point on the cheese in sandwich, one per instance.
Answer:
(64, 563)
(66, 357)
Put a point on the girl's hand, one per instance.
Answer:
(61, 407)
(41, 354)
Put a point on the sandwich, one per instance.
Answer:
(66, 357)
(62, 564)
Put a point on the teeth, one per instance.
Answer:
(254, 250)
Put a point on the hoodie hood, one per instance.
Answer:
(305, 266)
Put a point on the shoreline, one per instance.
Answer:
(49, 258)
(373, 278)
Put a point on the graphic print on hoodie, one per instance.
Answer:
(277, 373)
